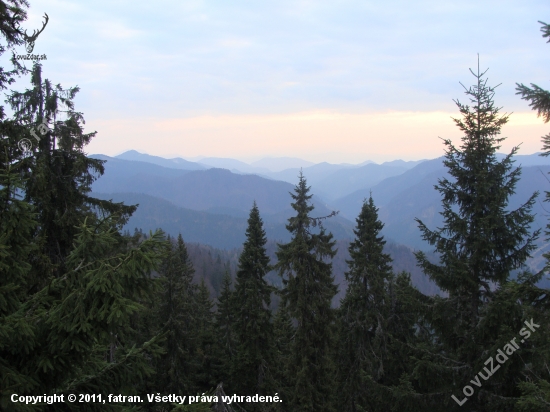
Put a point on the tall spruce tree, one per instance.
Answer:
(308, 292)
(480, 244)
(254, 355)
(176, 316)
(67, 333)
(58, 176)
(536, 389)
(364, 311)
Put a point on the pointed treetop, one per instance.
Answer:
(255, 240)
(481, 122)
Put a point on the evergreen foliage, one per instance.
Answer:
(283, 336)
(538, 97)
(85, 309)
(12, 14)
(378, 319)
(17, 222)
(74, 335)
(523, 300)
(480, 244)
(536, 390)
(58, 175)
(364, 310)
(176, 315)
(225, 330)
(308, 292)
(70, 282)
(206, 361)
(254, 355)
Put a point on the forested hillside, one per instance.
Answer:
(147, 321)
(211, 264)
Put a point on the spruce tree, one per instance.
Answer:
(364, 311)
(73, 336)
(253, 328)
(58, 175)
(206, 360)
(536, 388)
(480, 244)
(308, 292)
(68, 333)
(283, 337)
(225, 330)
(175, 316)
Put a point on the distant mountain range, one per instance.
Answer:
(198, 189)
(265, 165)
(328, 181)
(210, 205)
(233, 165)
(175, 163)
(411, 195)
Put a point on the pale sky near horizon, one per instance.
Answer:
(337, 81)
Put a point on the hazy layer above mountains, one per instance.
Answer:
(278, 164)
(210, 205)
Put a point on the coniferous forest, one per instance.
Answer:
(87, 308)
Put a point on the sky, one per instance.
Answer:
(336, 81)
